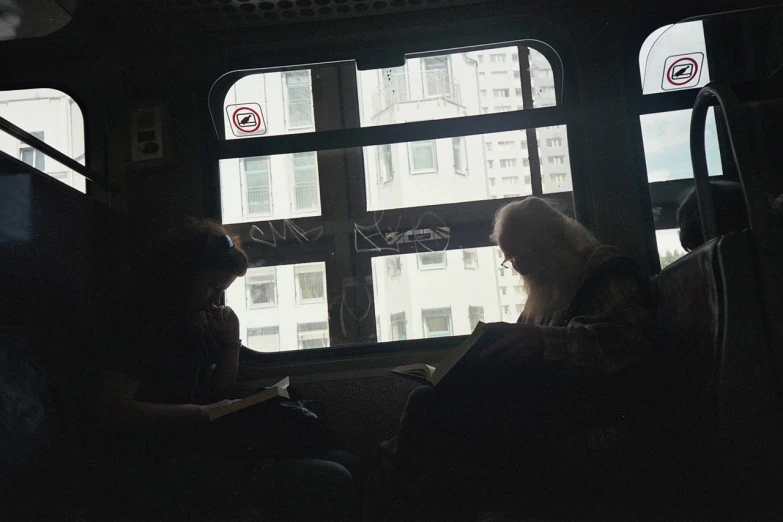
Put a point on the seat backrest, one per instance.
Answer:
(690, 316)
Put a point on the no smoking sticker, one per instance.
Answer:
(682, 71)
(246, 119)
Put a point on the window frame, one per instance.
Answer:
(287, 102)
(245, 187)
(314, 268)
(429, 313)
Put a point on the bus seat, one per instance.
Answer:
(715, 366)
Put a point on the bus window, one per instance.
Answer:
(386, 240)
(54, 118)
(667, 149)
(673, 59)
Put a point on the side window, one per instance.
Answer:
(382, 235)
(54, 118)
(673, 58)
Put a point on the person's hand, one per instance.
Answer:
(519, 343)
(225, 323)
(207, 409)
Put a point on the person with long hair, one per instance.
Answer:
(547, 389)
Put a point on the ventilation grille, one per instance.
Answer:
(265, 12)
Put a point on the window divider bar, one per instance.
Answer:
(27, 138)
(398, 133)
(532, 139)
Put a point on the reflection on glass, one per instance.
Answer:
(669, 247)
(667, 152)
(282, 308)
(54, 118)
(435, 294)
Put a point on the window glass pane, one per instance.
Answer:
(669, 247)
(268, 188)
(426, 173)
(555, 161)
(54, 118)
(452, 85)
(667, 151)
(420, 294)
(288, 298)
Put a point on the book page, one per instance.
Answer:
(449, 362)
(278, 390)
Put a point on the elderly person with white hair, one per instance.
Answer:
(545, 391)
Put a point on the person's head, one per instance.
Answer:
(538, 240)
(196, 261)
(730, 214)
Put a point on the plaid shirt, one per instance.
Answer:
(610, 328)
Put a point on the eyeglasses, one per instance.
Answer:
(513, 261)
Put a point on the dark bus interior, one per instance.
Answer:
(66, 252)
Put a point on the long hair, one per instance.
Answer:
(185, 251)
(535, 225)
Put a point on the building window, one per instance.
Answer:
(502, 272)
(510, 180)
(460, 155)
(489, 147)
(437, 322)
(505, 145)
(258, 190)
(399, 327)
(299, 99)
(519, 93)
(475, 314)
(482, 76)
(525, 162)
(393, 266)
(498, 75)
(556, 160)
(261, 287)
(266, 339)
(545, 73)
(517, 289)
(481, 58)
(312, 335)
(491, 182)
(499, 254)
(503, 290)
(516, 75)
(554, 142)
(306, 182)
(490, 163)
(508, 163)
(520, 308)
(515, 57)
(497, 58)
(33, 157)
(470, 258)
(423, 156)
(483, 93)
(503, 108)
(527, 180)
(436, 76)
(558, 177)
(431, 260)
(547, 91)
(500, 93)
(386, 163)
(505, 309)
(310, 283)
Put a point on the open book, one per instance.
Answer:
(427, 374)
(278, 390)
